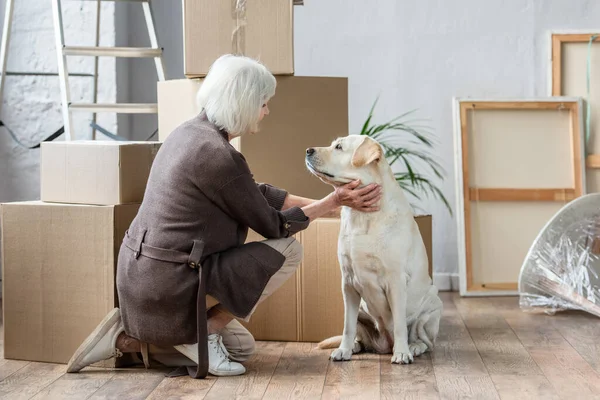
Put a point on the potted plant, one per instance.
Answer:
(401, 139)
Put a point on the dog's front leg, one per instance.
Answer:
(397, 299)
(351, 305)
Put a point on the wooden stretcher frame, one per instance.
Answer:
(557, 39)
(464, 193)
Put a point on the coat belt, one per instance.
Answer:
(138, 247)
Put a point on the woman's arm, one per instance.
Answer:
(297, 201)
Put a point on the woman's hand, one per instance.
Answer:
(364, 199)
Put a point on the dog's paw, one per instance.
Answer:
(341, 354)
(402, 358)
(417, 348)
(357, 347)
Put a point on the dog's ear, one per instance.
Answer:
(367, 152)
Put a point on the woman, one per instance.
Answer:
(184, 252)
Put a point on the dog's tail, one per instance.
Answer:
(331, 343)
(422, 332)
(368, 336)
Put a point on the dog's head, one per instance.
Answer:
(347, 159)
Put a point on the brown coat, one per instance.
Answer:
(199, 203)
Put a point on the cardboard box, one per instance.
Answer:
(59, 263)
(262, 29)
(309, 307)
(96, 172)
(305, 112)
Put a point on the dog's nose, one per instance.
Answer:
(310, 151)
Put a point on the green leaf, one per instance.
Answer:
(394, 136)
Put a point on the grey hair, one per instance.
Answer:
(233, 92)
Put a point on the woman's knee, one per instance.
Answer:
(293, 252)
(289, 247)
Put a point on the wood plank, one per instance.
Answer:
(467, 387)
(570, 375)
(254, 383)
(567, 371)
(578, 156)
(9, 367)
(519, 105)
(491, 287)
(76, 386)
(358, 378)
(415, 381)
(511, 367)
(556, 65)
(300, 373)
(582, 331)
(183, 388)
(574, 37)
(519, 387)
(467, 204)
(593, 161)
(484, 194)
(134, 383)
(28, 381)
(458, 367)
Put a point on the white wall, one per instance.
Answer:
(417, 54)
(31, 104)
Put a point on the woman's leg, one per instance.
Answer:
(293, 252)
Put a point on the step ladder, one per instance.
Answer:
(64, 51)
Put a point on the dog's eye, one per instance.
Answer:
(338, 146)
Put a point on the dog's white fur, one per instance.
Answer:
(390, 303)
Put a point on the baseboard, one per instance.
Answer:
(446, 282)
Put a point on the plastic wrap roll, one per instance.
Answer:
(562, 268)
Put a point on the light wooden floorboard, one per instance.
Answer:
(487, 349)
(414, 381)
(358, 378)
(299, 360)
(459, 370)
(512, 369)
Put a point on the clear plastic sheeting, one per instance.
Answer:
(562, 268)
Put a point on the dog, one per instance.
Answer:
(390, 303)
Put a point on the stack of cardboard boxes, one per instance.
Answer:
(305, 112)
(59, 254)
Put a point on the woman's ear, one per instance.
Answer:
(367, 152)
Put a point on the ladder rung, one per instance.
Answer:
(111, 51)
(122, 108)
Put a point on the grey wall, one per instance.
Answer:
(136, 78)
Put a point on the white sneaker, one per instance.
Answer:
(100, 344)
(219, 363)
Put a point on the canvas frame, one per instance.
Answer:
(556, 40)
(464, 193)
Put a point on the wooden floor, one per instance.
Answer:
(487, 349)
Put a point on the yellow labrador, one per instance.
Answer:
(390, 303)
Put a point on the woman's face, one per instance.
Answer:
(264, 110)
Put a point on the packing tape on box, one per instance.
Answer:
(238, 37)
